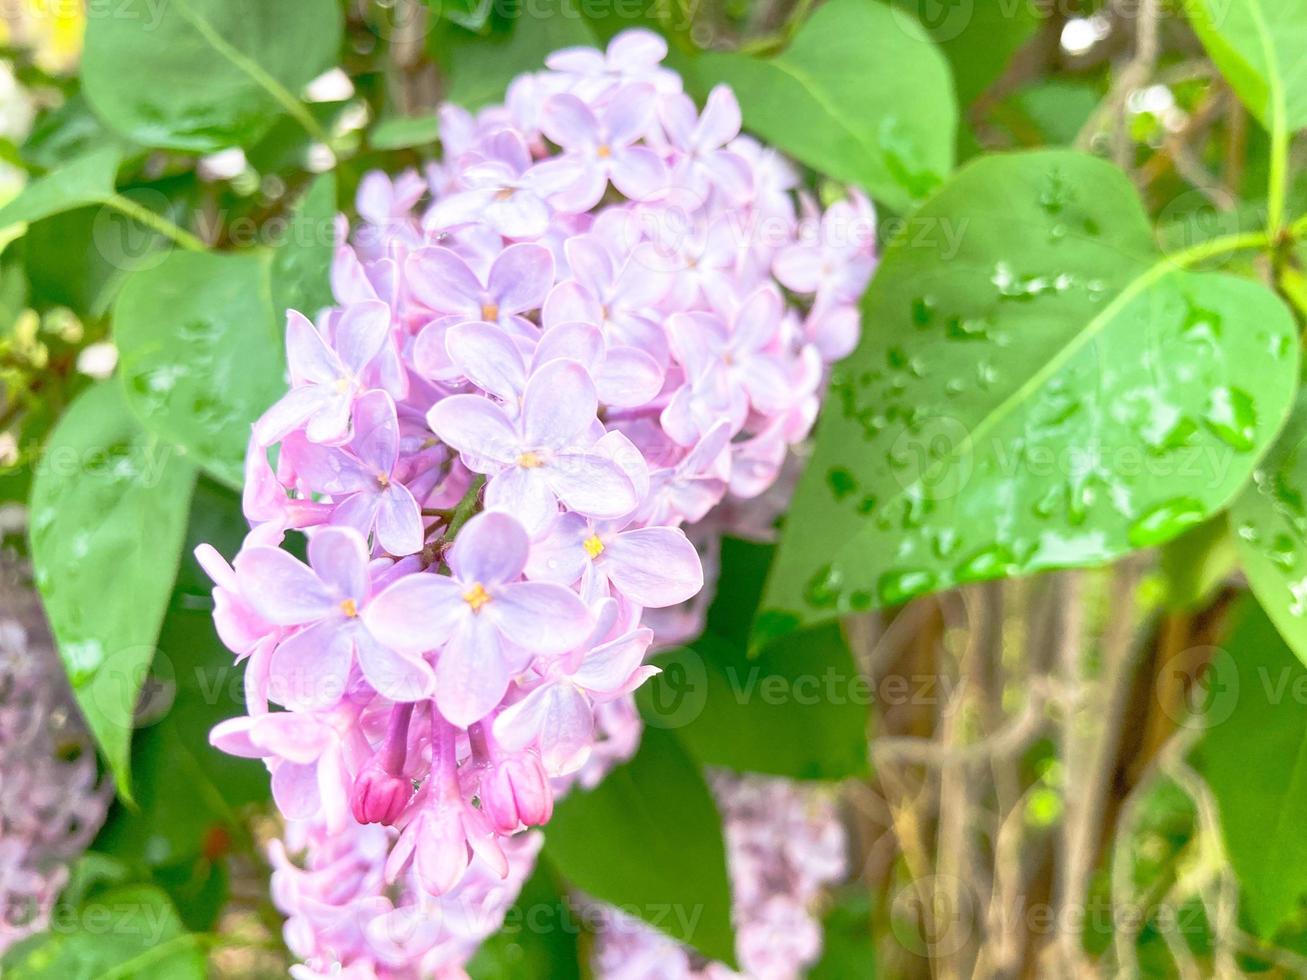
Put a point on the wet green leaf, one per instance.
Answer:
(202, 75)
(1270, 524)
(201, 352)
(861, 94)
(648, 839)
(1023, 402)
(301, 262)
(109, 506)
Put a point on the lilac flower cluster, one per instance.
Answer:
(784, 844)
(52, 799)
(599, 316)
(341, 907)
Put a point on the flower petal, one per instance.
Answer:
(541, 616)
(653, 566)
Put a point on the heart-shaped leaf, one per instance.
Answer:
(1037, 387)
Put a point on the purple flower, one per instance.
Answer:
(500, 191)
(326, 379)
(619, 296)
(650, 566)
(729, 367)
(518, 280)
(325, 599)
(544, 455)
(599, 148)
(307, 754)
(486, 622)
(558, 714)
(362, 481)
(633, 56)
(702, 163)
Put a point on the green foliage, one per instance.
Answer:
(1253, 755)
(120, 934)
(538, 938)
(109, 506)
(301, 263)
(201, 352)
(1258, 46)
(847, 948)
(403, 132)
(860, 94)
(202, 75)
(797, 710)
(648, 840)
(1054, 399)
(200, 685)
(87, 180)
(1270, 524)
(478, 69)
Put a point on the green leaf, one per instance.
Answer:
(797, 710)
(201, 352)
(187, 792)
(538, 937)
(1270, 524)
(1258, 46)
(978, 39)
(202, 75)
(1193, 566)
(847, 947)
(648, 839)
(1254, 757)
(861, 94)
(68, 132)
(1051, 399)
(478, 69)
(87, 180)
(123, 934)
(109, 505)
(301, 263)
(404, 132)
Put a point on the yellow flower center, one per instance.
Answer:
(490, 312)
(350, 608)
(603, 151)
(530, 460)
(593, 546)
(476, 597)
(504, 193)
(383, 480)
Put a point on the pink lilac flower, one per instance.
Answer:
(784, 844)
(490, 621)
(560, 364)
(52, 798)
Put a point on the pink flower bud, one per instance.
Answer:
(379, 797)
(516, 792)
